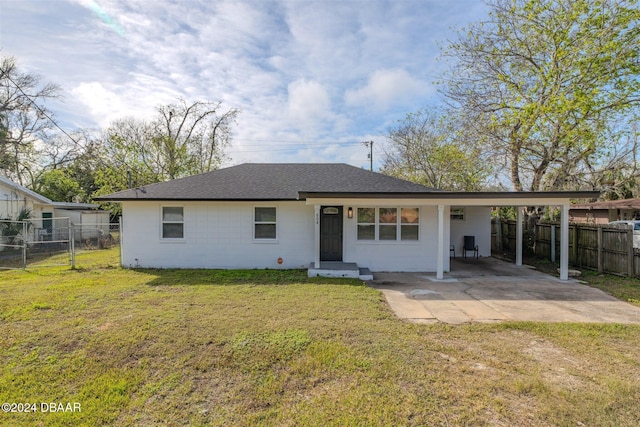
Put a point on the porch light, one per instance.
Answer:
(349, 212)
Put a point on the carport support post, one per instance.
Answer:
(553, 243)
(564, 242)
(519, 236)
(316, 261)
(440, 251)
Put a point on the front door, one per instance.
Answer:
(331, 233)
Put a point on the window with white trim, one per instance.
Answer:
(410, 224)
(366, 223)
(386, 224)
(264, 223)
(172, 222)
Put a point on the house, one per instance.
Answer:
(329, 217)
(605, 212)
(47, 215)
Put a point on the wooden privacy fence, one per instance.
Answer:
(605, 248)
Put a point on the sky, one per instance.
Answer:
(312, 79)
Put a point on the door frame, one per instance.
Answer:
(340, 216)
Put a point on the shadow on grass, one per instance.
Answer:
(181, 277)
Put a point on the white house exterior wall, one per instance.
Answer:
(75, 217)
(217, 235)
(13, 200)
(477, 223)
(220, 235)
(409, 256)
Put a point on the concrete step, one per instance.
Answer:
(340, 269)
(365, 274)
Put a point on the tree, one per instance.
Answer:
(59, 186)
(84, 169)
(613, 170)
(431, 148)
(23, 120)
(546, 83)
(180, 140)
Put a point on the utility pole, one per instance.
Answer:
(370, 155)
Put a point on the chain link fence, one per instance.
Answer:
(50, 242)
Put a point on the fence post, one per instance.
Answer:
(600, 251)
(24, 245)
(72, 244)
(498, 235)
(553, 242)
(519, 236)
(574, 239)
(630, 269)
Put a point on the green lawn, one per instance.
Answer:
(169, 347)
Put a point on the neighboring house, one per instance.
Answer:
(323, 216)
(45, 213)
(605, 212)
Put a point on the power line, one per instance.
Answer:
(40, 110)
(239, 149)
(274, 145)
(286, 142)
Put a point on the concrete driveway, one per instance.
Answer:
(490, 290)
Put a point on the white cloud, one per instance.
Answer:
(298, 70)
(309, 104)
(101, 103)
(388, 88)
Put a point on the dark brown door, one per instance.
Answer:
(331, 233)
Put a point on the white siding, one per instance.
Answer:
(477, 223)
(397, 255)
(75, 217)
(217, 235)
(13, 201)
(220, 235)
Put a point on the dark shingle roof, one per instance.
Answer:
(271, 181)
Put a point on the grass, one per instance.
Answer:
(213, 348)
(622, 287)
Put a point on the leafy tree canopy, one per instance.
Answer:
(431, 148)
(549, 85)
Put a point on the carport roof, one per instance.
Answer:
(495, 197)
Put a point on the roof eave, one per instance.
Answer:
(200, 199)
(452, 195)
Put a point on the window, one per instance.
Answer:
(385, 224)
(265, 223)
(388, 223)
(457, 214)
(409, 220)
(366, 224)
(172, 222)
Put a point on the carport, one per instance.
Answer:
(492, 290)
(445, 200)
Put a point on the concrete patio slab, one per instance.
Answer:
(490, 290)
